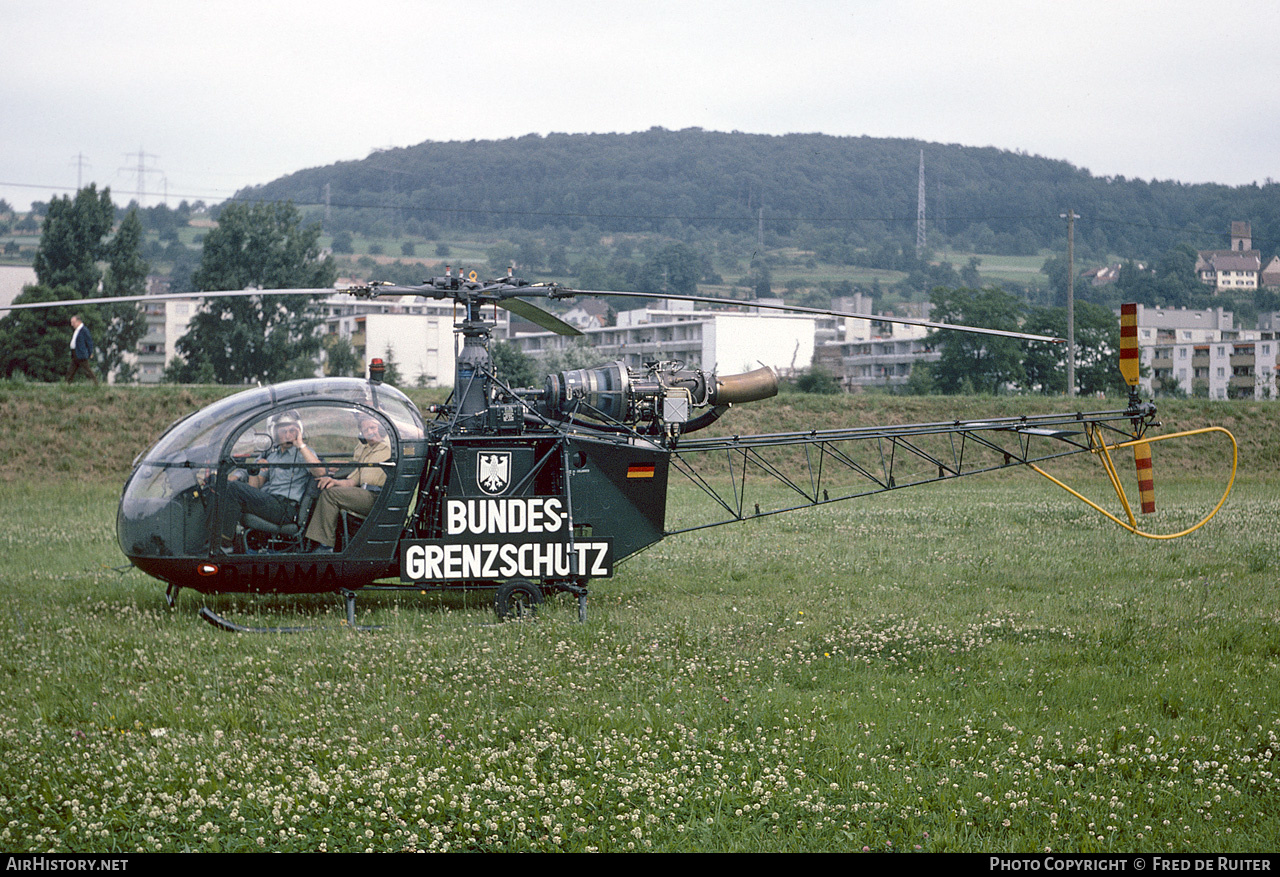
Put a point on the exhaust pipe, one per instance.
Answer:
(749, 387)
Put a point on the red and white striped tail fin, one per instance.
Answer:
(1129, 368)
(1129, 344)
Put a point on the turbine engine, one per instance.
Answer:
(660, 393)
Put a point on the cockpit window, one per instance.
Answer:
(402, 413)
(199, 438)
(168, 507)
(332, 431)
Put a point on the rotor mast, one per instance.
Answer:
(471, 377)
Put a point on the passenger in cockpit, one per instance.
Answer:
(357, 491)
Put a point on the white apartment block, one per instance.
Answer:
(417, 333)
(884, 359)
(727, 341)
(1243, 368)
(1203, 352)
(867, 352)
(167, 321)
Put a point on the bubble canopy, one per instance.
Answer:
(197, 440)
(164, 509)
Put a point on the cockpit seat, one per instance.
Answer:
(289, 533)
(348, 525)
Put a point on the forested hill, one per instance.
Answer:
(852, 190)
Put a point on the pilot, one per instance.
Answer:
(275, 486)
(355, 493)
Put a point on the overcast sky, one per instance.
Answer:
(221, 94)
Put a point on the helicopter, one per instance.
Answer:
(534, 491)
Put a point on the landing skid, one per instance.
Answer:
(230, 626)
(216, 620)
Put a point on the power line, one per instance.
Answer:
(473, 211)
(203, 196)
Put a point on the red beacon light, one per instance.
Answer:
(377, 369)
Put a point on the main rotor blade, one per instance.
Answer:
(928, 324)
(506, 298)
(164, 296)
(538, 316)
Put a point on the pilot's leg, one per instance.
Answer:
(239, 498)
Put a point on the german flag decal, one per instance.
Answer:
(640, 470)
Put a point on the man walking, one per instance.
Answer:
(81, 351)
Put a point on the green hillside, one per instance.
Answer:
(834, 195)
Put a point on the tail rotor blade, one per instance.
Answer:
(1129, 344)
(1146, 477)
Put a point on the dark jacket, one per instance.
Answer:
(84, 343)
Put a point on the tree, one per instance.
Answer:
(577, 354)
(592, 275)
(1170, 282)
(256, 338)
(126, 274)
(503, 255)
(920, 382)
(673, 270)
(1097, 351)
(971, 362)
(342, 243)
(514, 367)
(760, 279)
(1059, 272)
(818, 380)
(71, 241)
(33, 343)
(392, 374)
(340, 358)
(1171, 388)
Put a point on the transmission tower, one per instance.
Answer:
(920, 235)
(141, 170)
(79, 161)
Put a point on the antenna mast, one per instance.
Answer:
(920, 235)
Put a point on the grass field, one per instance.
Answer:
(981, 665)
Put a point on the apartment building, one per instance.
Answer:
(728, 341)
(1202, 353)
(417, 334)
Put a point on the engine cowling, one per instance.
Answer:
(663, 392)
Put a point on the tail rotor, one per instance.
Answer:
(1142, 416)
(1129, 369)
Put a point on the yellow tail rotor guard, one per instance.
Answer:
(1103, 450)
